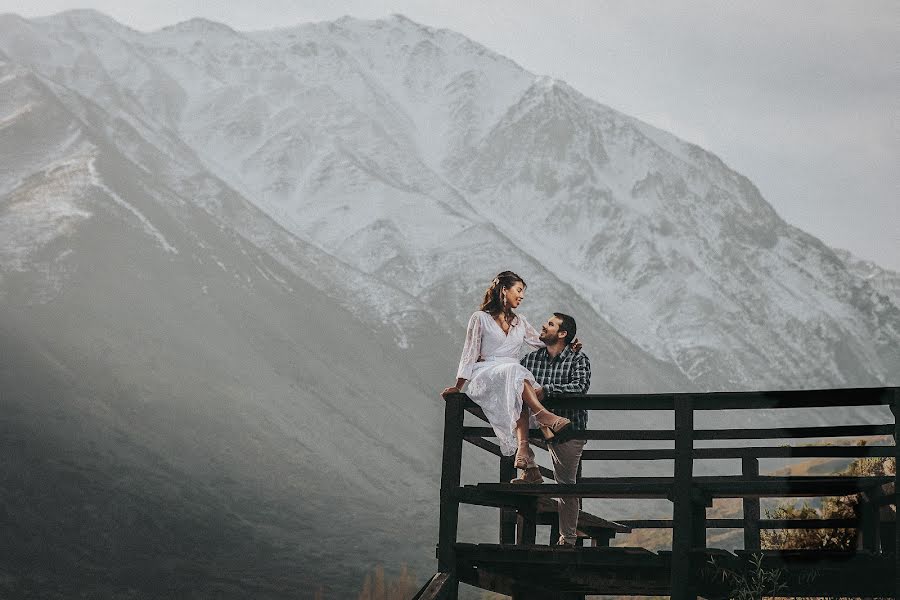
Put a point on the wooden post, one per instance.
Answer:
(528, 523)
(698, 515)
(579, 542)
(750, 468)
(895, 408)
(683, 510)
(869, 519)
(508, 516)
(451, 467)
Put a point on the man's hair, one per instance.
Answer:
(567, 325)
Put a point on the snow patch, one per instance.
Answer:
(148, 226)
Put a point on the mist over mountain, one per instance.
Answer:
(235, 269)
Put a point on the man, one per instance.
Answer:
(560, 370)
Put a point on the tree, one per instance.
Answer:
(839, 507)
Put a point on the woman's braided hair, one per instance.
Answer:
(493, 298)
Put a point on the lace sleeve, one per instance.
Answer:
(532, 337)
(471, 349)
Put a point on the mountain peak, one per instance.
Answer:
(404, 20)
(86, 18)
(200, 25)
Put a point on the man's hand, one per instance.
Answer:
(450, 390)
(539, 392)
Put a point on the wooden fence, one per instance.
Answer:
(681, 573)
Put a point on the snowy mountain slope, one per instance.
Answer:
(183, 384)
(368, 201)
(680, 252)
(884, 281)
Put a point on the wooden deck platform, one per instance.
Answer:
(520, 568)
(563, 572)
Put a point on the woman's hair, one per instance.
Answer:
(493, 297)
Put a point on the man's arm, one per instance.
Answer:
(579, 378)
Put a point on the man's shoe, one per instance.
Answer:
(529, 475)
(562, 543)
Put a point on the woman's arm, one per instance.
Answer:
(470, 354)
(532, 337)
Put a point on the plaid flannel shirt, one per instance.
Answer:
(568, 373)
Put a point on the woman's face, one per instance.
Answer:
(515, 294)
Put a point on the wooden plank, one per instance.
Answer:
(739, 523)
(794, 432)
(793, 452)
(483, 443)
(827, 398)
(598, 434)
(786, 487)
(647, 523)
(475, 410)
(683, 511)
(629, 402)
(550, 570)
(751, 400)
(648, 454)
(549, 507)
(785, 524)
(609, 489)
(437, 588)
(552, 555)
(505, 496)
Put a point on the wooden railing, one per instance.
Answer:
(689, 494)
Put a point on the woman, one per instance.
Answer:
(502, 387)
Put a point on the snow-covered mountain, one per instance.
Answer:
(400, 149)
(235, 268)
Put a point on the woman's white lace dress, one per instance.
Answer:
(496, 383)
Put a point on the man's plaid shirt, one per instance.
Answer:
(568, 373)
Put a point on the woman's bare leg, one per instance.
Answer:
(530, 399)
(524, 455)
(543, 416)
(522, 426)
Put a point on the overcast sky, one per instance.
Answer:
(802, 97)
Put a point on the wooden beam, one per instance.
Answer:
(616, 488)
(739, 523)
(750, 469)
(527, 533)
(598, 434)
(752, 400)
(508, 516)
(451, 466)
(794, 432)
(895, 408)
(437, 588)
(793, 452)
(683, 511)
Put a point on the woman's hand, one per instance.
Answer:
(460, 381)
(576, 345)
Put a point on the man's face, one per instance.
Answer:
(550, 331)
